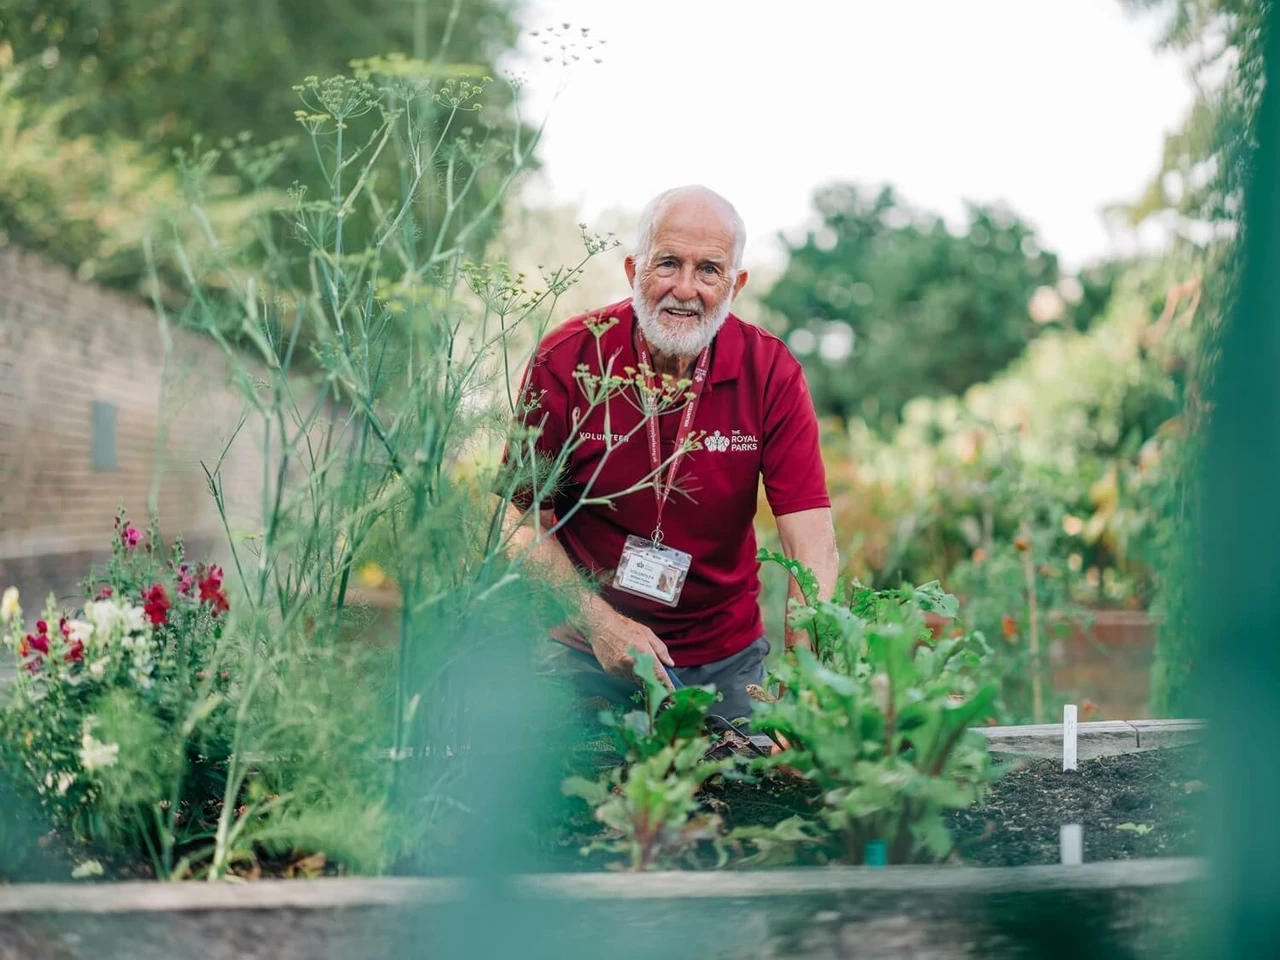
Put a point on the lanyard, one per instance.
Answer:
(663, 490)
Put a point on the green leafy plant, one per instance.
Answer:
(649, 804)
(877, 716)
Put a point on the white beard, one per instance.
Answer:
(687, 338)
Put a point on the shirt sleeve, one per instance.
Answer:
(794, 476)
(539, 405)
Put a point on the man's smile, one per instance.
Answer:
(675, 313)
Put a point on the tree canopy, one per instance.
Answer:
(131, 81)
(884, 303)
(162, 71)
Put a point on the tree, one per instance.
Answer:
(163, 71)
(1199, 191)
(883, 303)
(1200, 184)
(146, 77)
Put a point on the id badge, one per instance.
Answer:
(652, 570)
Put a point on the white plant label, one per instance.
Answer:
(1071, 844)
(1069, 737)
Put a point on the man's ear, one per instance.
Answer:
(739, 283)
(629, 268)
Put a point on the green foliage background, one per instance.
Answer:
(97, 95)
(921, 310)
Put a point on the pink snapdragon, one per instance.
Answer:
(130, 536)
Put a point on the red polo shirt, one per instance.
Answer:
(759, 421)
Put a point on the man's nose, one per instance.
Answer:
(686, 288)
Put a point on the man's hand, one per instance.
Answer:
(616, 640)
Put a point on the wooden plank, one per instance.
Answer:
(732, 884)
(1153, 734)
(147, 897)
(1101, 738)
(333, 893)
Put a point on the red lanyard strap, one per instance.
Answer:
(662, 490)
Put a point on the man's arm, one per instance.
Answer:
(614, 639)
(809, 537)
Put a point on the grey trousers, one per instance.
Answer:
(729, 676)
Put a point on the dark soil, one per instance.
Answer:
(30, 852)
(763, 803)
(1135, 805)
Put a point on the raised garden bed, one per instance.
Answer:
(1139, 900)
(939, 913)
(1140, 792)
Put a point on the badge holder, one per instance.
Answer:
(649, 569)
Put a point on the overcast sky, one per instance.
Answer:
(1057, 107)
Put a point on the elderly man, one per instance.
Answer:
(676, 556)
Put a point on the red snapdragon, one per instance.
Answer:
(156, 604)
(36, 645)
(130, 536)
(211, 591)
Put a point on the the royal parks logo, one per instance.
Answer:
(735, 442)
(717, 442)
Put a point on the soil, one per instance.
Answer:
(32, 853)
(1148, 804)
(1136, 805)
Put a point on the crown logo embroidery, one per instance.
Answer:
(717, 442)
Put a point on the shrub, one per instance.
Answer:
(117, 720)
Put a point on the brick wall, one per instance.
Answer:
(65, 345)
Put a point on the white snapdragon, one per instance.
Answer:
(9, 609)
(94, 754)
(136, 617)
(81, 630)
(113, 616)
(61, 785)
(116, 624)
(105, 617)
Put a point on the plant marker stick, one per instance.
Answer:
(1071, 844)
(1069, 737)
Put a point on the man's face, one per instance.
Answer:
(685, 284)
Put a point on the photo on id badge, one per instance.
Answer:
(648, 570)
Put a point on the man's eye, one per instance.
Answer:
(710, 269)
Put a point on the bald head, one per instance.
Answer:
(694, 207)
